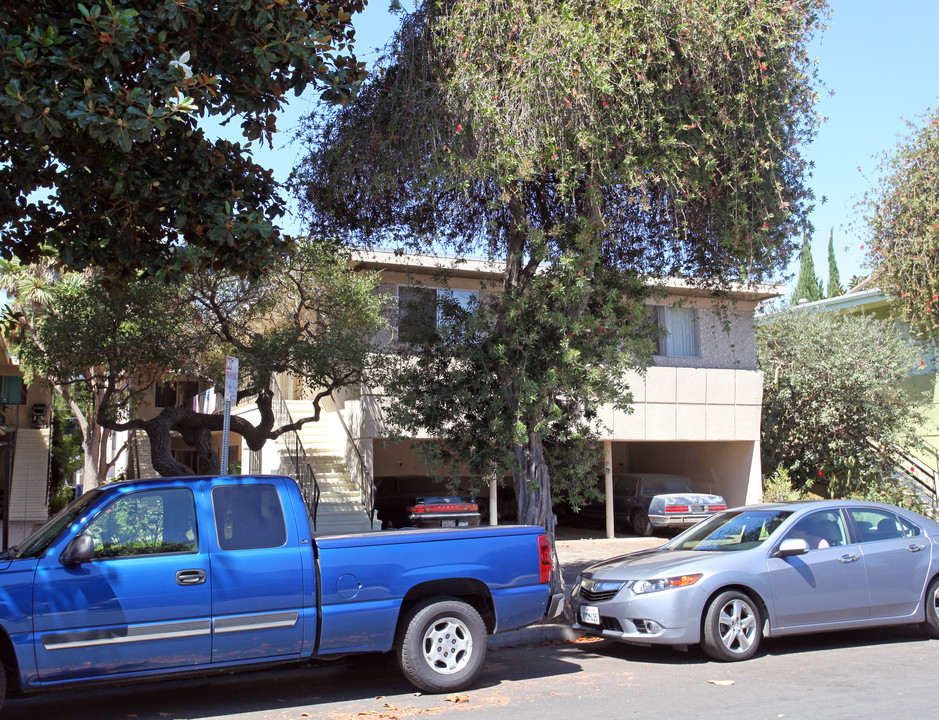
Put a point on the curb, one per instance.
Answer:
(534, 635)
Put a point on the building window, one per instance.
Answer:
(419, 309)
(13, 390)
(165, 395)
(680, 336)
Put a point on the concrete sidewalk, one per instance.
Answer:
(577, 550)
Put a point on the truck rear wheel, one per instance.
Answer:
(442, 645)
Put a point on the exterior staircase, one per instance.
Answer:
(29, 483)
(340, 508)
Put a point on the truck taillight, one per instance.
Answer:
(544, 559)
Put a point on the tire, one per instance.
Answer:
(642, 526)
(442, 645)
(732, 627)
(931, 602)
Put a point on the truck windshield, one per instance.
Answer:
(730, 531)
(36, 544)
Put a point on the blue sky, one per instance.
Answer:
(880, 60)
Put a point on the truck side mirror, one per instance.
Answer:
(81, 549)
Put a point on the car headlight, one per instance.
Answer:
(641, 587)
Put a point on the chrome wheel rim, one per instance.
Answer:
(736, 625)
(447, 645)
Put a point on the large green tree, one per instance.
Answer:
(585, 146)
(310, 317)
(834, 402)
(104, 160)
(902, 215)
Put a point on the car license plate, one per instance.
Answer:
(448, 523)
(697, 508)
(590, 615)
(463, 523)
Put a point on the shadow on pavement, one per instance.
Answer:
(287, 690)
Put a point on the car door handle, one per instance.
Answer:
(190, 577)
(849, 558)
(915, 548)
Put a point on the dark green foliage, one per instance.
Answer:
(834, 278)
(105, 163)
(808, 286)
(833, 398)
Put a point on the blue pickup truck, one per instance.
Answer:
(153, 578)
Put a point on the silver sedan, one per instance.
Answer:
(766, 571)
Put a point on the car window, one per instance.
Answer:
(821, 530)
(873, 525)
(625, 486)
(146, 523)
(665, 485)
(730, 531)
(248, 517)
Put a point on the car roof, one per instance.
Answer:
(803, 507)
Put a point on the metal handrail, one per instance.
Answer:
(366, 483)
(298, 468)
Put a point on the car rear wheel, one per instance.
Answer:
(931, 626)
(642, 526)
(442, 645)
(732, 627)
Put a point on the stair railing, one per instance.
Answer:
(293, 457)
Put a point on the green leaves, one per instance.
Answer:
(902, 217)
(100, 100)
(833, 396)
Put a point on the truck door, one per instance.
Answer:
(141, 603)
(257, 571)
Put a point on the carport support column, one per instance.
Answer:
(608, 486)
(494, 501)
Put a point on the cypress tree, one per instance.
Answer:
(808, 286)
(834, 279)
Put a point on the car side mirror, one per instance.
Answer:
(81, 549)
(790, 547)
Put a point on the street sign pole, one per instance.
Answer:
(231, 394)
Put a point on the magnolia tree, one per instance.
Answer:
(103, 352)
(586, 146)
(104, 160)
(902, 215)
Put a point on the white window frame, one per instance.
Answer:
(667, 317)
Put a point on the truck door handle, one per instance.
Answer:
(849, 558)
(190, 577)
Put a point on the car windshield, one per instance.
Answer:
(36, 544)
(665, 485)
(730, 531)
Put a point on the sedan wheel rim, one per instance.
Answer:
(448, 645)
(737, 626)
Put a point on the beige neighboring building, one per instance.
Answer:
(24, 451)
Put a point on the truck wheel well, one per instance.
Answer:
(470, 591)
(10, 665)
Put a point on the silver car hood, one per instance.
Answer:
(648, 564)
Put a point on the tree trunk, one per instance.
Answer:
(535, 507)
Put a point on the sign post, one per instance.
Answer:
(231, 395)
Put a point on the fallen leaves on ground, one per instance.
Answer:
(457, 698)
(722, 682)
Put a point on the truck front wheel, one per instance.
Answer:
(443, 645)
